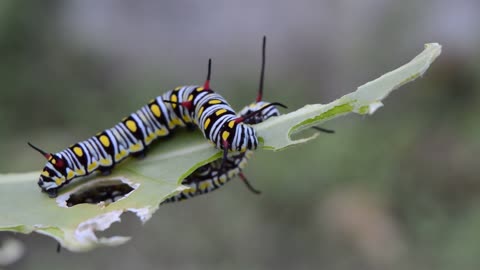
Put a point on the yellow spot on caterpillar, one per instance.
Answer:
(214, 101)
(136, 147)
(201, 111)
(175, 122)
(190, 98)
(177, 88)
(223, 179)
(161, 132)
(105, 140)
(58, 181)
(232, 173)
(46, 173)
(92, 166)
(200, 89)
(131, 125)
(80, 172)
(220, 112)
(150, 137)
(192, 189)
(70, 175)
(78, 151)
(174, 99)
(243, 149)
(189, 191)
(105, 162)
(155, 110)
(54, 161)
(204, 185)
(225, 135)
(186, 118)
(243, 164)
(121, 154)
(231, 124)
(207, 122)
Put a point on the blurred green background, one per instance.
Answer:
(397, 190)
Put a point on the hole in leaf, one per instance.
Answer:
(103, 192)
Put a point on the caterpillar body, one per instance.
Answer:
(214, 175)
(182, 106)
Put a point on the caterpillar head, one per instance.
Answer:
(53, 174)
(239, 137)
(262, 115)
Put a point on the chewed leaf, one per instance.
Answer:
(73, 223)
(277, 132)
(93, 203)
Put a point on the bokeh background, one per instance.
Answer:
(397, 190)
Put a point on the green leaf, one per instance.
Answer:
(23, 208)
(365, 100)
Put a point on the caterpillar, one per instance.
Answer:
(214, 175)
(180, 107)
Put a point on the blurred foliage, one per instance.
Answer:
(408, 199)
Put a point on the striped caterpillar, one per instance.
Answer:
(180, 107)
(214, 175)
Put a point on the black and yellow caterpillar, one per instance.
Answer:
(180, 107)
(198, 105)
(214, 175)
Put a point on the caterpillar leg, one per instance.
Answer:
(106, 171)
(140, 155)
(52, 193)
(191, 127)
(247, 183)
